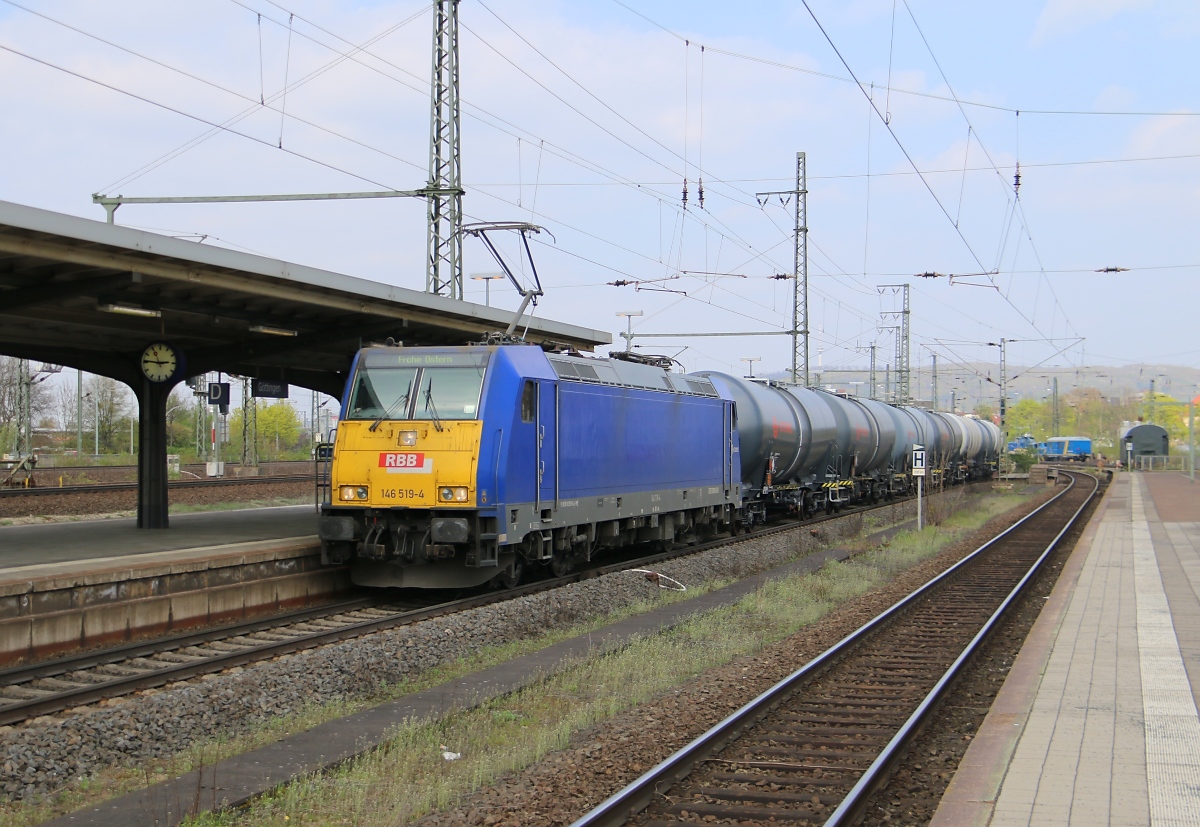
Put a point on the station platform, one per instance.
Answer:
(68, 586)
(67, 542)
(1097, 722)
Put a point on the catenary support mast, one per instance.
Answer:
(903, 370)
(800, 294)
(444, 274)
(799, 330)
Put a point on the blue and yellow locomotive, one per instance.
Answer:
(455, 466)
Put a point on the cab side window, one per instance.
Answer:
(528, 401)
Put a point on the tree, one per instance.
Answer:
(13, 374)
(107, 408)
(1028, 416)
(278, 429)
(181, 419)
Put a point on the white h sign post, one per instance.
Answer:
(918, 470)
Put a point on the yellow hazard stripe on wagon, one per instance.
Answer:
(838, 484)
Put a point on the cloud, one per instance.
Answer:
(1062, 17)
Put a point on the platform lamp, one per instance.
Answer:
(751, 360)
(629, 315)
(487, 279)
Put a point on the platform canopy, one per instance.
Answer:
(92, 296)
(68, 287)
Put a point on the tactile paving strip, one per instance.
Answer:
(1171, 719)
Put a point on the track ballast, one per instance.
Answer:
(812, 749)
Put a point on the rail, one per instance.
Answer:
(42, 688)
(635, 797)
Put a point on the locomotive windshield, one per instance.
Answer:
(400, 392)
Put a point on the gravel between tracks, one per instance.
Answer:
(48, 753)
(605, 758)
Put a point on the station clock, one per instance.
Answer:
(160, 362)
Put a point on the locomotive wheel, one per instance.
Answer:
(561, 565)
(511, 576)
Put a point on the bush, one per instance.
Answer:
(1024, 459)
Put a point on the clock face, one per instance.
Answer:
(159, 362)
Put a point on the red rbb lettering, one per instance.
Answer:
(407, 460)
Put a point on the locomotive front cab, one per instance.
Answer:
(405, 465)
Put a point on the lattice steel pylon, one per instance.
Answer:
(800, 295)
(443, 193)
(799, 329)
(903, 373)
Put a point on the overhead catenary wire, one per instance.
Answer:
(226, 126)
(543, 184)
(287, 65)
(218, 127)
(258, 140)
(1016, 186)
(568, 156)
(262, 82)
(900, 90)
(191, 116)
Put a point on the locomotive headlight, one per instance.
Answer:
(456, 493)
(408, 438)
(350, 493)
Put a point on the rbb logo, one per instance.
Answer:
(406, 460)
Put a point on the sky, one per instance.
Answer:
(587, 117)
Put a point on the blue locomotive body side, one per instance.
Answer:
(586, 440)
(615, 440)
(508, 451)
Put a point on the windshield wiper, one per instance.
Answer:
(402, 401)
(437, 420)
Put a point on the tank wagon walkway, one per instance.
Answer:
(1097, 721)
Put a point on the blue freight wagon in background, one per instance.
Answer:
(1069, 448)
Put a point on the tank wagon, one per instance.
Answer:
(458, 466)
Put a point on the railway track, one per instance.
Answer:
(43, 491)
(815, 747)
(43, 688)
